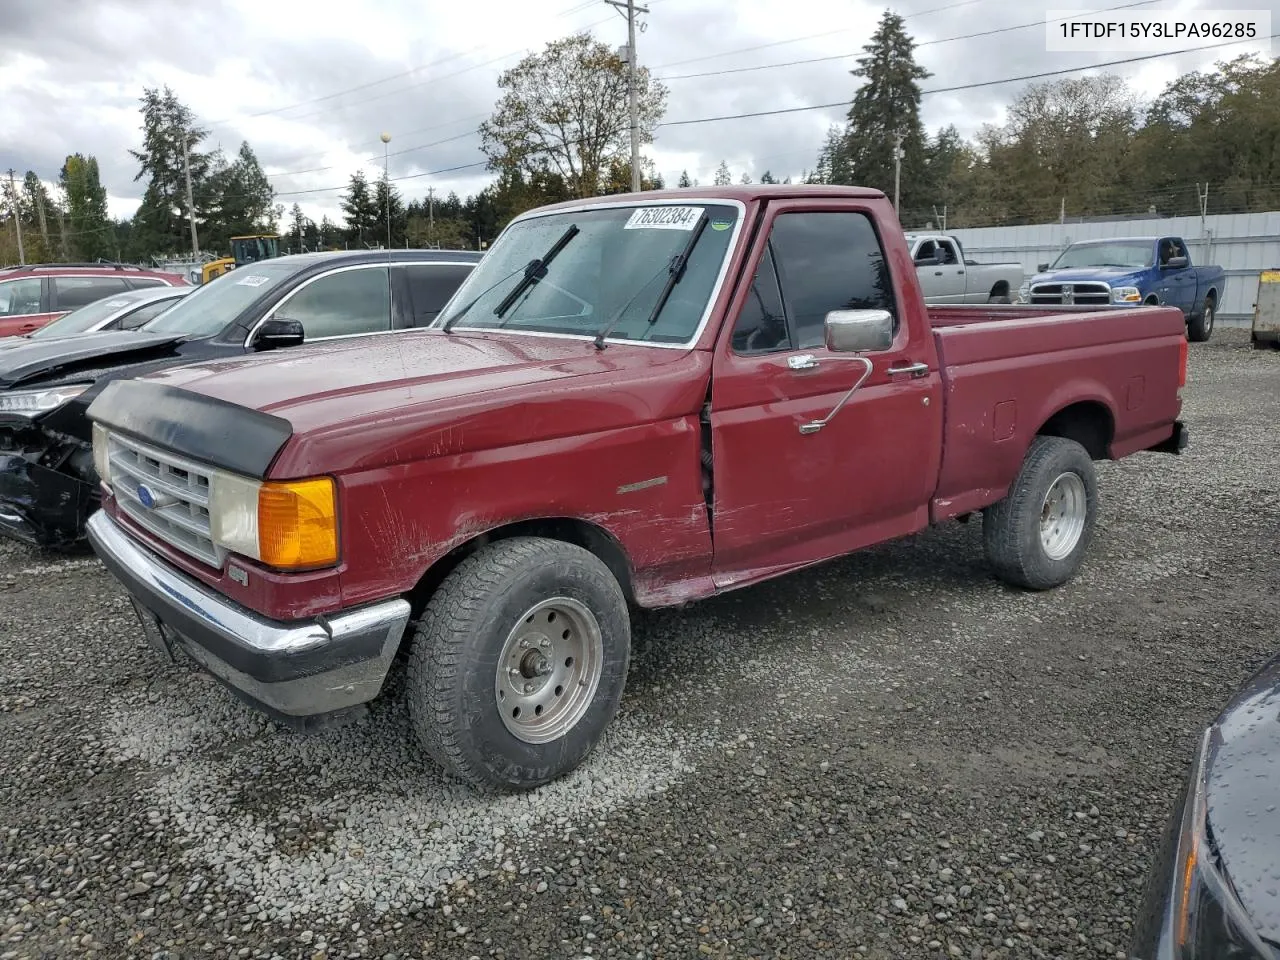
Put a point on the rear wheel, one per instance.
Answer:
(1200, 327)
(519, 663)
(1037, 536)
(1000, 294)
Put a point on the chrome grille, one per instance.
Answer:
(178, 490)
(1082, 294)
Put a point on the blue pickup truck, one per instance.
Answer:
(1135, 271)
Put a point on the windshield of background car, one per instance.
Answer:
(206, 311)
(91, 314)
(1135, 255)
(619, 260)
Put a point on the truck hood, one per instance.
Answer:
(1241, 792)
(24, 362)
(1116, 276)
(384, 399)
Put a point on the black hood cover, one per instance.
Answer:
(1243, 796)
(31, 362)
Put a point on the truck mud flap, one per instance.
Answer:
(1177, 441)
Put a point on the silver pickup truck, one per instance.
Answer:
(948, 276)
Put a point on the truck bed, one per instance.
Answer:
(1007, 369)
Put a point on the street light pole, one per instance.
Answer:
(386, 183)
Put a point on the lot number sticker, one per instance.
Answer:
(252, 281)
(664, 218)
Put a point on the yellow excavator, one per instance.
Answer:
(249, 249)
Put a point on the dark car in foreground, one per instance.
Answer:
(48, 486)
(1214, 889)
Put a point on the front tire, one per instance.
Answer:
(1200, 327)
(519, 663)
(1037, 536)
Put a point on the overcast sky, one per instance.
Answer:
(312, 83)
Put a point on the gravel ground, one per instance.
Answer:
(890, 756)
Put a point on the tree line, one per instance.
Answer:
(1074, 147)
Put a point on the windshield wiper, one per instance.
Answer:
(474, 300)
(535, 271)
(675, 271)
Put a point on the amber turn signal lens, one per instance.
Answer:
(298, 523)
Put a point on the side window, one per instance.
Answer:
(1179, 249)
(762, 324)
(20, 297)
(132, 321)
(825, 262)
(431, 286)
(139, 283)
(73, 292)
(926, 252)
(948, 251)
(342, 303)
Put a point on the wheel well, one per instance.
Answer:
(1212, 296)
(566, 529)
(1088, 423)
(1001, 288)
(1151, 301)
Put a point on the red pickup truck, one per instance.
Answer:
(633, 401)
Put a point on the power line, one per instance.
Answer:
(846, 56)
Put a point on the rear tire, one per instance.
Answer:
(997, 296)
(1200, 327)
(519, 663)
(1037, 536)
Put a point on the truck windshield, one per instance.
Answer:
(208, 310)
(1111, 253)
(610, 265)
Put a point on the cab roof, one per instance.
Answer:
(746, 193)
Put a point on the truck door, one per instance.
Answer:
(954, 274)
(934, 283)
(1177, 286)
(781, 497)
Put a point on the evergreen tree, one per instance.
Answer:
(242, 196)
(161, 220)
(886, 105)
(767, 177)
(684, 180)
(360, 209)
(746, 178)
(383, 194)
(90, 234)
(723, 176)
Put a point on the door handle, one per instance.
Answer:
(937, 273)
(915, 369)
(803, 361)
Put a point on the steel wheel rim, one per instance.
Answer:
(1208, 318)
(549, 669)
(1062, 516)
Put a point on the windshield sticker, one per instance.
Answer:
(721, 225)
(252, 281)
(664, 218)
(116, 303)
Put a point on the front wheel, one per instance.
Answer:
(519, 663)
(1037, 536)
(1200, 328)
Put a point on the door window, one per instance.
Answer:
(341, 304)
(824, 261)
(20, 297)
(431, 286)
(72, 292)
(762, 325)
(948, 251)
(132, 321)
(927, 252)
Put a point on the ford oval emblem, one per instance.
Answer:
(146, 497)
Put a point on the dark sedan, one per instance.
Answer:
(48, 485)
(1214, 891)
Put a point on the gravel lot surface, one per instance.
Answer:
(891, 756)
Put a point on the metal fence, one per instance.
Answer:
(1242, 244)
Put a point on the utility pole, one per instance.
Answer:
(191, 204)
(386, 184)
(633, 92)
(897, 169)
(17, 217)
(431, 214)
(1062, 211)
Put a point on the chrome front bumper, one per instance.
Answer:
(290, 670)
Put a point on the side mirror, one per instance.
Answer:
(278, 332)
(1176, 263)
(1041, 267)
(856, 331)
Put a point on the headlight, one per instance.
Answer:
(101, 458)
(1126, 295)
(31, 402)
(1205, 914)
(287, 524)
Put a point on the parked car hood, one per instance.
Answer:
(383, 399)
(1112, 275)
(26, 361)
(1242, 782)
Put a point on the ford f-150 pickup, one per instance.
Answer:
(633, 401)
(1131, 271)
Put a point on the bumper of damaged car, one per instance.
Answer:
(41, 506)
